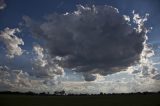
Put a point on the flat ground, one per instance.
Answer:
(99, 100)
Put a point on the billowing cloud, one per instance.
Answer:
(92, 40)
(18, 80)
(11, 78)
(43, 65)
(2, 4)
(11, 42)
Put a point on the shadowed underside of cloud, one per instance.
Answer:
(92, 40)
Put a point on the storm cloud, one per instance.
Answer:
(92, 40)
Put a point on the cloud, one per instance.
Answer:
(92, 40)
(43, 65)
(11, 42)
(45, 75)
(89, 77)
(40, 61)
(2, 4)
(18, 80)
(137, 85)
(11, 78)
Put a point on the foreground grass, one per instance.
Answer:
(98, 100)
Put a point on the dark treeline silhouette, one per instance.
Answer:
(62, 93)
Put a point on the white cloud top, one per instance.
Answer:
(12, 42)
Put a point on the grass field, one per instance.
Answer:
(99, 100)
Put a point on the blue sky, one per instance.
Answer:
(12, 17)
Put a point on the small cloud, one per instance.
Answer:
(2, 4)
(43, 65)
(156, 77)
(11, 42)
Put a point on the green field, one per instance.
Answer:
(99, 100)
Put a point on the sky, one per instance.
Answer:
(80, 46)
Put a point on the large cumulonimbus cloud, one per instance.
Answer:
(92, 40)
